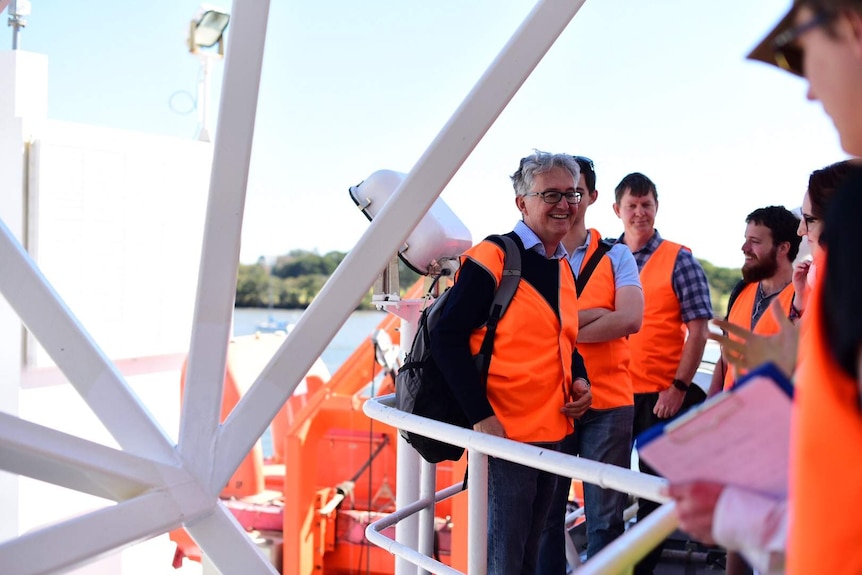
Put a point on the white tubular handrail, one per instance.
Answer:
(624, 551)
(374, 532)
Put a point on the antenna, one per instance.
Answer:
(18, 11)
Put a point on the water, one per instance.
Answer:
(353, 332)
(358, 326)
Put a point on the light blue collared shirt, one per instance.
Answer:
(622, 262)
(532, 242)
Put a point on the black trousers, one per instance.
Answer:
(644, 419)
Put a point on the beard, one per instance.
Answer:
(761, 269)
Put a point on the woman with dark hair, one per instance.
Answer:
(822, 185)
(741, 520)
(822, 41)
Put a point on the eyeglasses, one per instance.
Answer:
(808, 220)
(586, 161)
(788, 54)
(572, 198)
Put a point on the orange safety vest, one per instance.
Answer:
(607, 362)
(530, 375)
(657, 348)
(740, 314)
(825, 472)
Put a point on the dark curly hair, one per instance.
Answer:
(783, 225)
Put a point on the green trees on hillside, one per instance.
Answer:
(301, 263)
(294, 279)
(721, 282)
(253, 286)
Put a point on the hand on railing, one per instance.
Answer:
(492, 426)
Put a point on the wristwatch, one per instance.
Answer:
(795, 312)
(680, 384)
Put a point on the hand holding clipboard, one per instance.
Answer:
(738, 437)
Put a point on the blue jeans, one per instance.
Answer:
(601, 435)
(518, 502)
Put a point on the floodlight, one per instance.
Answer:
(205, 31)
(208, 28)
(438, 239)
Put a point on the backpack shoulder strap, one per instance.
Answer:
(510, 278)
(585, 274)
(737, 289)
(502, 298)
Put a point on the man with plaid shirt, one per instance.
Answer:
(667, 350)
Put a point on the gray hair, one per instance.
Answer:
(540, 162)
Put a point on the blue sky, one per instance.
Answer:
(352, 87)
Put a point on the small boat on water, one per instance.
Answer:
(272, 324)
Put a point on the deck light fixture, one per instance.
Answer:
(205, 31)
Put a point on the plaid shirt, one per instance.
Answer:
(688, 281)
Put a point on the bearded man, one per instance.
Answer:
(771, 244)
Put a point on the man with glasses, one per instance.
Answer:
(610, 307)
(536, 380)
(667, 350)
(770, 247)
(821, 40)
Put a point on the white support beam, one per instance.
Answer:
(221, 245)
(227, 546)
(408, 478)
(52, 456)
(88, 369)
(390, 229)
(427, 490)
(477, 502)
(84, 539)
(23, 102)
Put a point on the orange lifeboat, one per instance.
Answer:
(332, 471)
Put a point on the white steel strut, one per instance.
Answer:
(158, 486)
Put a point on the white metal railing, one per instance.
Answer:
(375, 535)
(617, 557)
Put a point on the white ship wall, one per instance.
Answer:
(115, 222)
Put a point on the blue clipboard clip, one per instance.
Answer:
(766, 370)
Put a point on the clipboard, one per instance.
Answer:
(739, 437)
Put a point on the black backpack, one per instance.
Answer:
(419, 386)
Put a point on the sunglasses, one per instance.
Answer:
(787, 52)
